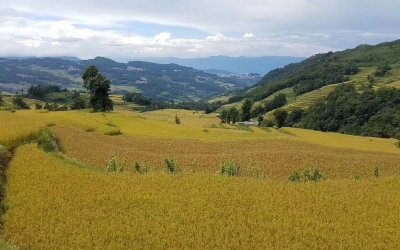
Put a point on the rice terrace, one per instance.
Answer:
(199, 125)
(66, 199)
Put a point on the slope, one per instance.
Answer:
(163, 82)
(321, 70)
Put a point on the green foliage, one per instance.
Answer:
(171, 166)
(5, 157)
(229, 168)
(280, 116)
(47, 141)
(19, 103)
(369, 113)
(306, 175)
(294, 117)
(382, 70)
(113, 165)
(1, 99)
(177, 120)
(278, 101)
(113, 132)
(39, 91)
(98, 86)
(78, 103)
(246, 109)
(137, 98)
(142, 168)
(38, 106)
(321, 70)
(223, 116)
(233, 115)
(55, 107)
(377, 171)
(355, 177)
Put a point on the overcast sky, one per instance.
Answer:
(125, 29)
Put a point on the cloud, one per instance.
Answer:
(116, 28)
(248, 35)
(163, 38)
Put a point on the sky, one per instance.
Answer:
(126, 29)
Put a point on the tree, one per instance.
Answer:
(98, 86)
(234, 114)
(19, 103)
(223, 116)
(78, 103)
(177, 120)
(280, 117)
(382, 69)
(1, 99)
(246, 109)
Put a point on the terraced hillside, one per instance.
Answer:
(69, 199)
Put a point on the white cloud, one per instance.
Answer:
(163, 38)
(283, 27)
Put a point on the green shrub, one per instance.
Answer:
(113, 165)
(377, 171)
(113, 132)
(356, 177)
(229, 169)
(141, 168)
(47, 141)
(306, 175)
(90, 129)
(171, 166)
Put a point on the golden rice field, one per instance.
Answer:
(53, 203)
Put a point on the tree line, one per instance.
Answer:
(345, 110)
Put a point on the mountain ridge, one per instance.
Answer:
(159, 81)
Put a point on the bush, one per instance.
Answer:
(113, 132)
(306, 175)
(177, 120)
(78, 103)
(171, 166)
(377, 171)
(5, 157)
(19, 103)
(47, 141)
(141, 168)
(356, 177)
(38, 106)
(229, 169)
(113, 165)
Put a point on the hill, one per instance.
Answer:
(321, 70)
(237, 65)
(160, 81)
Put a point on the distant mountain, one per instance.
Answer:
(67, 58)
(70, 58)
(219, 72)
(159, 81)
(237, 65)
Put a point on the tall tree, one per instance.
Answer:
(234, 114)
(280, 117)
(223, 116)
(98, 86)
(246, 109)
